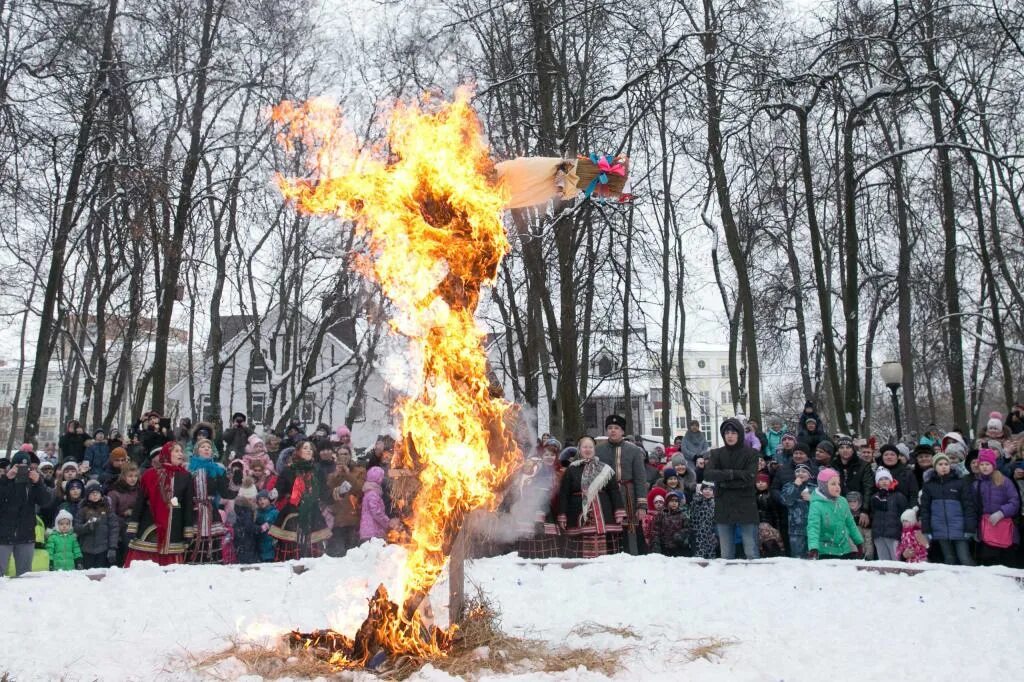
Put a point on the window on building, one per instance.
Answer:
(605, 366)
(590, 414)
(704, 403)
(726, 398)
(681, 422)
(258, 409)
(308, 408)
(258, 373)
(725, 371)
(5, 389)
(657, 419)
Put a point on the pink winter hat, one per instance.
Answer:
(343, 431)
(995, 421)
(824, 476)
(987, 455)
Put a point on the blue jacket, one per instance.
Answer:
(97, 455)
(798, 509)
(885, 509)
(948, 506)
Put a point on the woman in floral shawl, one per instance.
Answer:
(591, 509)
(300, 528)
(161, 523)
(210, 485)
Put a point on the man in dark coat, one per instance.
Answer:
(855, 475)
(627, 460)
(235, 438)
(733, 470)
(22, 491)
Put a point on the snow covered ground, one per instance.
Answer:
(787, 620)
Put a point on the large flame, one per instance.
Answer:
(429, 209)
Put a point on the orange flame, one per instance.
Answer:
(429, 209)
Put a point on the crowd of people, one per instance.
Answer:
(193, 495)
(799, 492)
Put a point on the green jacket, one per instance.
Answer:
(830, 526)
(64, 550)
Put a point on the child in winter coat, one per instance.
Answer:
(913, 547)
(670, 535)
(796, 496)
(62, 545)
(266, 515)
(73, 493)
(830, 524)
(373, 520)
(123, 496)
(949, 512)
(704, 536)
(96, 528)
(655, 508)
(769, 539)
(246, 531)
(887, 507)
(856, 502)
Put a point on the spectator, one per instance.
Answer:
(831, 530)
(152, 435)
(118, 460)
(811, 434)
(902, 476)
(670, 535)
(236, 437)
(856, 501)
(733, 468)
(655, 506)
(796, 497)
(346, 493)
(695, 444)
(74, 490)
(162, 522)
(809, 413)
(245, 535)
(124, 495)
(266, 515)
(773, 438)
(22, 491)
(300, 528)
(887, 507)
(913, 547)
(373, 519)
(923, 455)
(1015, 420)
(72, 443)
(854, 475)
(948, 511)
(704, 537)
(768, 512)
(62, 546)
(999, 505)
(627, 461)
(98, 454)
(97, 528)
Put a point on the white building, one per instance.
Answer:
(247, 385)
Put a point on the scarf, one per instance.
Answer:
(165, 472)
(212, 469)
(596, 475)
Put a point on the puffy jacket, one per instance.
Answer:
(830, 526)
(773, 441)
(18, 502)
(798, 509)
(64, 550)
(96, 527)
(373, 520)
(670, 534)
(97, 455)
(886, 508)
(733, 470)
(992, 498)
(855, 476)
(948, 508)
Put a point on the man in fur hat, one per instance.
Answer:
(627, 460)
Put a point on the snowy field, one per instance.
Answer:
(786, 620)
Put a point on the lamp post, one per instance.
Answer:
(892, 375)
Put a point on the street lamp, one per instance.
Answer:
(892, 375)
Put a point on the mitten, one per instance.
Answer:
(995, 518)
(265, 527)
(343, 488)
(813, 554)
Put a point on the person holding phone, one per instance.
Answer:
(22, 492)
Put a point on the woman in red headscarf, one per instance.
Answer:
(161, 525)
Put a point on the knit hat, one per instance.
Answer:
(73, 483)
(675, 494)
(995, 422)
(118, 453)
(854, 497)
(987, 455)
(888, 447)
(903, 449)
(678, 459)
(63, 515)
(659, 497)
(343, 431)
(941, 457)
(881, 473)
(824, 476)
(763, 476)
(45, 465)
(93, 486)
(924, 449)
(98, 432)
(909, 516)
(553, 444)
(802, 467)
(802, 447)
(69, 465)
(826, 446)
(669, 472)
(263, 494)
(843, 440)
(20, 458)
(790, 435)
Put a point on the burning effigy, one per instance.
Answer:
(426, 201)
